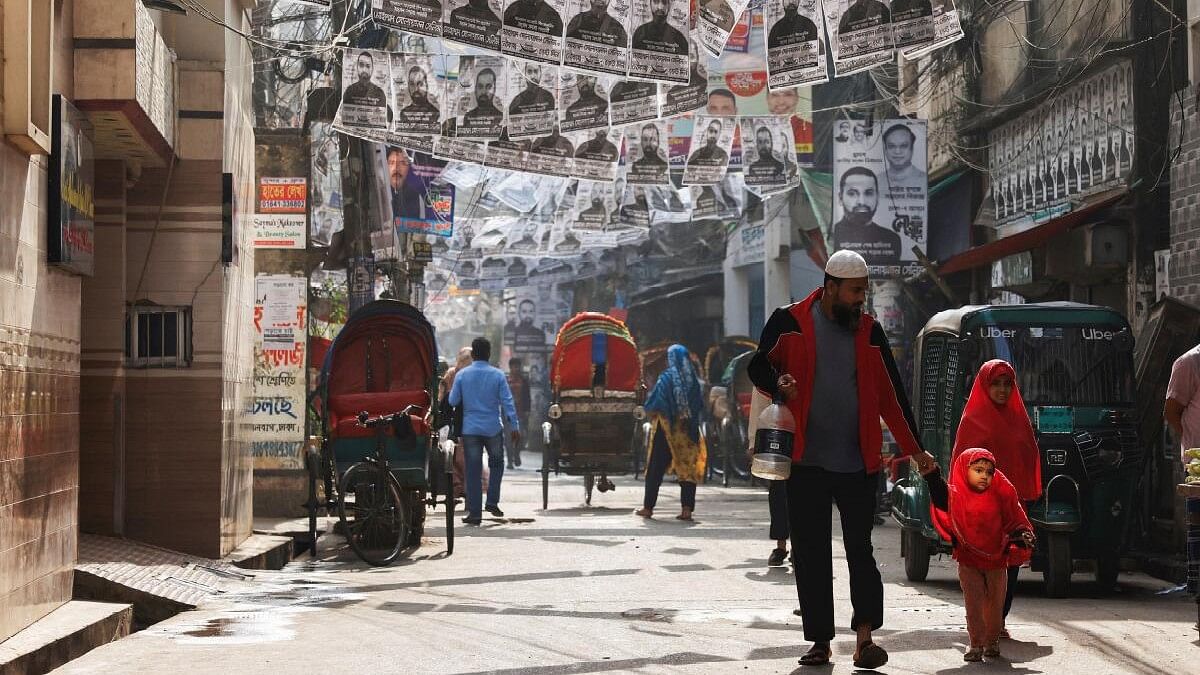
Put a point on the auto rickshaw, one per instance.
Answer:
(380, 460)
(729, 410)
(1075, 370)
(596, 403)
(718, 356)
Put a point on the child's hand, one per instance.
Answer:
(1028, 538)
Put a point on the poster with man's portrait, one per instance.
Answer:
(633, 101)
(912, 23)
(715, 21)
(473, 22)
(795, 43)
(647, 161)
(365, 85)
(423, 17)
(880, 200)
(597, 38)
(708, 156)
(583, 102)
(533, 30)
(420, 203)
(417, 95)
(946, 29)
(678, 99)
(482, 97)
(595, 206)
(551, 154)
(768, 152)
(660, 47)
(596, 154)
(860, 34)
(504, 153)
(533, 109)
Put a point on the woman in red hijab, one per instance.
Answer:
(995, 419)
(979, 513)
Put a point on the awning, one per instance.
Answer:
(1033, 237)
(674, 289)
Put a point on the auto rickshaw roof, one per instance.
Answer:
(953, 320)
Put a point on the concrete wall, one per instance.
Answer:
(39, 387)
(1185, 199)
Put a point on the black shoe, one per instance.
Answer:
(777, 556)
(510, 466)
(472, 521)
(494, 510)
(517, 459)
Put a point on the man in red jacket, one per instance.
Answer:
(832, 365)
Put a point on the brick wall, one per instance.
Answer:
(1185, 199)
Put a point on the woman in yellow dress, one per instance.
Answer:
(676, 408)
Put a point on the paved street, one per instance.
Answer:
(585, 590)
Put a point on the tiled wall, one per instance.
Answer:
(39, 404)
(1185, 198)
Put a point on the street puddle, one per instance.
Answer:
(231, 628)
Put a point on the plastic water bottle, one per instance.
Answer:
(773, 442)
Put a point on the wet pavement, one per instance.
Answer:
(597, 590)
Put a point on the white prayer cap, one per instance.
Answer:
(846, 265)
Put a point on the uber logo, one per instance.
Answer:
(1097, 334)
(995, 332)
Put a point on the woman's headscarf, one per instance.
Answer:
(677, 393)
(1004, 430)
(981, 522)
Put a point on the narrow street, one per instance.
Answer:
(587, 590)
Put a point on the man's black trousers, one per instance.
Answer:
(811, 494)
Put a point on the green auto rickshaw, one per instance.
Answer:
(1074, 366)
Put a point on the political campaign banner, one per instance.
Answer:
(423, 17)
(533, 30)
(646, 154)
(533, 109)
(523, 237)
(678, 99)
(860, 34)
(708, 158)
(420, 203)
(583, 102)
(715, 21)
(768, 152)
(913, 23)
(597, 153)
(507, 154)
(795, 43)
(597, 37)
(482, 97)
(947, 29)
(551, 154)
(880, 193)
(635, 206)
(631, 101)
(723, 200)
(325, 190)
(473, 22)
(365, 99)
(594, 207)
(660, 47)
(418, 96)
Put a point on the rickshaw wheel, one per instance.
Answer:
(589, 481)
(1057, 574)
(312, 465)
(916, 555)
(376, 522)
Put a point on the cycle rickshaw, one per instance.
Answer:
(596, 408)
(380, 460)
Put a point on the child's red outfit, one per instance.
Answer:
(981, 526)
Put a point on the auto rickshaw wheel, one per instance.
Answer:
(1059, 564)
(376, 521)
(915, 548)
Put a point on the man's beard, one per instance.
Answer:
(847, 316)
(859, 217)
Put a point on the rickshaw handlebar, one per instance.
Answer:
(364, 418)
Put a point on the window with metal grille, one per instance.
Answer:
(931, 376)
(158, 337)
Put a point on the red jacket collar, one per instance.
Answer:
(802, 311)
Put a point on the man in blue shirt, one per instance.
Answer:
(482, 391)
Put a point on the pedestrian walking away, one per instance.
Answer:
(518, 383)
(980, 514)
(482, 391)
(995, 419)
(676, 409)
(832, 365)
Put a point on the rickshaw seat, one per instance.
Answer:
(344, 409)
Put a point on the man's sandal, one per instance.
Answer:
(870, 656)
(818, 655)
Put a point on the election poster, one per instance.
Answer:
(880, 193)
(583, 102)
(646, 154)
(533, 30)
(473, 22)
(596, 154)
(551, 154)
(597, 38)
(533, 110)
(913, 24)
(768, 152)
(678, 99)
(417, 95)
(723, 200)
(365, 86)
(482, 97)
(635, 206)
(325, 191)
(420, 203)
(595, 205)
(715, 21)
(795, 44)
(708, 158)
(276, 409)
(860, 34)
(946, 30)
(631, 101)
(660, 47)
(507, 154)
(423, 17)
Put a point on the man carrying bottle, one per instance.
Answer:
(832, 365)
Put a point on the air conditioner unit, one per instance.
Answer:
(1106, 244)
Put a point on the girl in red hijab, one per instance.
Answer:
(995, 419)
(980, 515)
